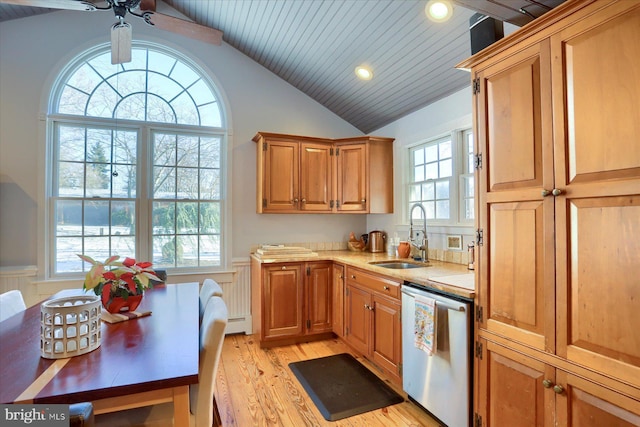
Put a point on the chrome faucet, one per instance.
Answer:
(424, 246)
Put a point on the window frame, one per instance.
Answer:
(145, 130)
(456, 201)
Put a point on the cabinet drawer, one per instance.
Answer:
(383, 285)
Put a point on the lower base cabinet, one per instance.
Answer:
(292, 301)
(372, 319)
(515, 389)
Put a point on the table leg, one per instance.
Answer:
(181, 412)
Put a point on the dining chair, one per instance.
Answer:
(11, 303)
(201, 395)
(208, 289)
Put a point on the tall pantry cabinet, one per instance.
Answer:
(557, 125)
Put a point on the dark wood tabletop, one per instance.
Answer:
(155, 352)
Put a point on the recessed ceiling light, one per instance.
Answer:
(364, 73)
(439, 10)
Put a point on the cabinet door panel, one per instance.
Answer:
(520, 279)
(352, 177)
(282, 306)
(583, 403)
(319, 307)
(281, 176)
(511, 391)
(315, 177)
(387, 333)
(600, 124)
(514, 123)
(358, 318)
(600, 298)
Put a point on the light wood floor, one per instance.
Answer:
(255, 387)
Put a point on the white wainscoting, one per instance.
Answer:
(236, 288)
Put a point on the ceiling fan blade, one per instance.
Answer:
(149, 5)
(54, 4)
(184, 28)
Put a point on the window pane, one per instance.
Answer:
(164, 149)
(442, 209)
(188, 151)
(125, 246)
(68, 217)
(432, 171)
(428, 191)
(96, 218)
(414, 193)
(187, 183)
(418, 173)
(164, 183)
(71, 143)
(444, 150)
(187, 218)
(66, 250)
(159, 110)
(418, 157)
(469, 209)
(431, 153)
(70, 179)
(210, 149)
(209, 218)
(446, 168)
(210, 250)
(123, 216)
(210, 115)
(430, 207)
(187, 248)
(210, 184)
(164, 215)
(442, 190)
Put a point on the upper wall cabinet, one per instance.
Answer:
(299, 174)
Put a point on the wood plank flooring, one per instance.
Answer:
(255, 387)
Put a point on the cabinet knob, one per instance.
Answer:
(386, 288)
(295, 200)
(284, 267)
(304, 200)
(556, 192)
(363, 201)
(353, 276)
(545, 192)
(558, 389)
(547, 383)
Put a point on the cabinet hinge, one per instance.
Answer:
(478, 314)
(331, 151)
(477, 161)
(264, 203)
(337, 204)
(477, 420)
(479, 237)
(400, 369)
(479, 350)
(347, 331)
(264, 146)
(347, 292)
(308, 324)
(308, 271)
(331, 204)
(476, 86)
(337, 151)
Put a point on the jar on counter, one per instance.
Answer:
(404, 249)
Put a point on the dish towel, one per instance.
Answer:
(425, 324)
(122, 317)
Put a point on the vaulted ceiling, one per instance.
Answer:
(315, 45)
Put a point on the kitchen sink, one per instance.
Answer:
(400, 265)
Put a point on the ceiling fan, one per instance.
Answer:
(121, 30)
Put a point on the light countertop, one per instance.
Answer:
(444, 276)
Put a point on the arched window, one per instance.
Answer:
(137, 162)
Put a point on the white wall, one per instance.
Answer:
(32, 52)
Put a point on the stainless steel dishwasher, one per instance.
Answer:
(441, 382)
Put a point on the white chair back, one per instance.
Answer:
(212, 330)
(209, 288)
(11, 303)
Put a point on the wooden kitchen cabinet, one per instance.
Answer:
(373, 324)
(558, 212)
(298, 174)
(520, 390)
(291, 301)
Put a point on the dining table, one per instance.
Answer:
(142, 361)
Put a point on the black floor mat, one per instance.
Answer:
(341, 387)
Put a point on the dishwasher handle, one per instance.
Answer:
(448, 303)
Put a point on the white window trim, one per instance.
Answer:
(46, 125)
(455, 224)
